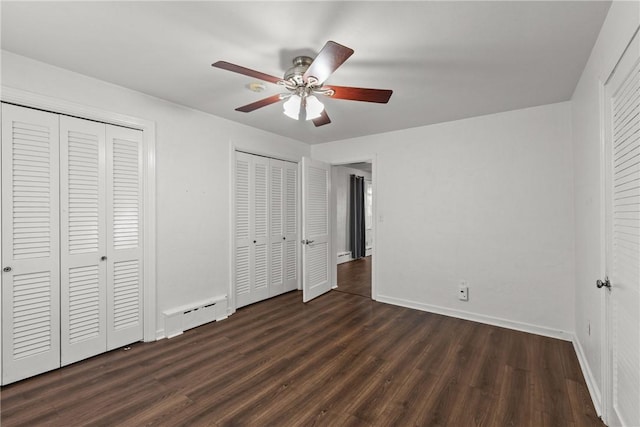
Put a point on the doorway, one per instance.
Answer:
(352, 186)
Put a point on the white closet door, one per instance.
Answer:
(260, 229)
(30, 243)
(290, 226)
(243, 241)
(124, 236)
(277, 238)
(622, 136)
(316, 229)
(82, 243)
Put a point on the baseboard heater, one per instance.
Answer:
(344, 256)
(179, 319)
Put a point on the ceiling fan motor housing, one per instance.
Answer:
(295, 73)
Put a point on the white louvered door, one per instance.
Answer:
(242, 229)
(316, 229)
(124, 236)
(265, 228)
(291, 246)
(252, 240)
(260, 228)
(83, 239)
(30, 243)
(72, 205)
(277, 237)
(622, 136)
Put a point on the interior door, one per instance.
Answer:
(291, 264)
(242, 227)
(316, 232)
(83, 239)
(622, 139)
(124, 236)
(260, 228)
(30, 243)
(277, 237)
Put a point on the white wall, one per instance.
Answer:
(193, 174)
(621, 22)
(488, 200)
(340, 186)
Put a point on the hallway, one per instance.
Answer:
(354, 277)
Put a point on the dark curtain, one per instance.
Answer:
(356, 220)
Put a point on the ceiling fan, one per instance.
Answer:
(305, 80)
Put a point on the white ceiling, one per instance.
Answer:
(443, 60)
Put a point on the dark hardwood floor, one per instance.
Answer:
(354, 277)
(338, 360)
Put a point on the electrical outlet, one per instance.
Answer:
(463, 291)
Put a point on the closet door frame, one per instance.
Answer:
(42, 102)
(232, 235)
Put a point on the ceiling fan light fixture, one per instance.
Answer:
(292, 107)
(314, 107)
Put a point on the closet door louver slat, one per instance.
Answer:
(30, 243)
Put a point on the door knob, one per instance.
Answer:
(103, 258)
(6, 269)
(307, 242)
(605, 284)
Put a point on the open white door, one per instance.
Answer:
(316, 230)
(622, 286)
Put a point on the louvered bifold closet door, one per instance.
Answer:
(124, 236)
(276, 230)
(242, 229)
(30, 243)
(290, 228)
(624, 268)
(259, 194)
(83, 239)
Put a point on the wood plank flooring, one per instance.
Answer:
(338, 360)
(354, 277)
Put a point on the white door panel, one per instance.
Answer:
(291, 254)
(316, 229)
(124, 236)
(622, 136)
(83, 239)
(30, 243)
(277, 237)
(260, 222)
(242, 228)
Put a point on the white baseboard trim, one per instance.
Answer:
(592, 385)
(160, 334)
(480, 318)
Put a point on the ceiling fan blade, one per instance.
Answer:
(361, 94)
(328, 60)
(246, 71)
(323, 119)
(259, 104)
